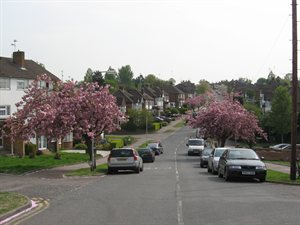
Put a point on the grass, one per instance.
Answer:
(180, 124)
(10, 201)
(274, 176)
(16, 165)
(100, 169)
(145, 144)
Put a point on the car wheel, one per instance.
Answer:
(208, 169)
(262, 179)
(189, 153)
(142, 168)
(201, 165)
(213, 170)
(226, 176)
(109, 170)
(219, 173)
(137, 170)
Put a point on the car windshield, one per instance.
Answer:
(219, 152)
(121, 153)
(196, 142)
(242, 154)
(206, 151)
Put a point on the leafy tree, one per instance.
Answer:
(151, 80)
(172, 81)
(139, 81)
(221, 120)
(280, 115)
(88, 75)
(253, 108)
(125, 76)
(98, 78)
(202, 87)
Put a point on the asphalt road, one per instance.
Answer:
(172, 190)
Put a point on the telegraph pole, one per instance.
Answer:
(294, 92)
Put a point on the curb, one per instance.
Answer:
(17, 210)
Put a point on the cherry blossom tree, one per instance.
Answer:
(200, 100)
(86, 110)
(225, 119)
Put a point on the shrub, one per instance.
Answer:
(30, 149)
(129, 126)
(81, 146)
(117, 143)
(106, 146)
(127, 140)
(164, 123)
(156, 125)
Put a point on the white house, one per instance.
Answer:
(15, 75)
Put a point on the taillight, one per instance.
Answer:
(135, 158)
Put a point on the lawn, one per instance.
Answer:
(274, 176)
(16, 165)
(10, 201)
(100, 169)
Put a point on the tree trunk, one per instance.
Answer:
(57, 155)
(223, 141)
(281, 138)
(90, 149)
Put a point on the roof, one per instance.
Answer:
(31, 70)
(120, 94)
(187, 87)
(172, 89)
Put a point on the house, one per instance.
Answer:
(16, 74)
(158, 95)
(176, 96)
(124, 100)
(188, 88)
(142, 99)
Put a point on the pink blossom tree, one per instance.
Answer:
(200, 100)
(87, 110)
(225, 119)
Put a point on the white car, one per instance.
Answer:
(124, 159)
(196, 145)
(213, 160)
(281, 146)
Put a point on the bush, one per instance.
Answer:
(81, 146)
(30, 149)
(156, 126)
(164, 123)
(129, 126)
(127, 140)
(117, 143)
(106, 146)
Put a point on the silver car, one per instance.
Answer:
(124, 159)
(213, 160)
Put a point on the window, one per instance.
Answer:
(22, 84)
(4, 83)
(68, 138)
(4, 110)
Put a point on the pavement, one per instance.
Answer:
(163, 133)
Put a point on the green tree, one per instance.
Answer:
(125, 76)
(98, 77)
(202, 87)
(280, 115)
(88, 75)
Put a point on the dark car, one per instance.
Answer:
(204, 155)
(241, 162)
(156, 147)
(147, 154)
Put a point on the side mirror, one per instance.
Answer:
(187, 144)
(262, 158)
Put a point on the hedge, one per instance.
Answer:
(117, 143)
(156, 125)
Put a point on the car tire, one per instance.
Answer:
(208, 169)
(137, 170)
(219, 173)
(262, 179)
(226, 176)
(109, 171)
(213, 171)
(142, 168)
(201, 165)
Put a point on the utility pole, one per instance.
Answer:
(294, 92)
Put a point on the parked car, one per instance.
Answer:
(204, 154)
(280, 147)
(241, 162)
(156, 147)
(167, 119)
(147, 154)
(195, 146)
(213, 160)
(124, 159)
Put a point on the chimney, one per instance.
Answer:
(19, 58)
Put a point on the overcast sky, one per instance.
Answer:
(185, 40)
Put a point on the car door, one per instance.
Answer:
(210, 159)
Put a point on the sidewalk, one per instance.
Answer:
(277, 167)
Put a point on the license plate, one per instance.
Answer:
(248, 172)
(122, 159)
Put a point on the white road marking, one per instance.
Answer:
(178, 197)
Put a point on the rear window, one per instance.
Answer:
(196, 142)
(206, 151)
(121, 153)
(142, 150)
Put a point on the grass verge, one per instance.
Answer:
(16, 165)
(10, 201)
(100, 169)
(180, 124)
(275, 176)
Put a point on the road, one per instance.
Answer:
(172, 190)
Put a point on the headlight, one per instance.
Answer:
(260, 167)
(235, 167)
